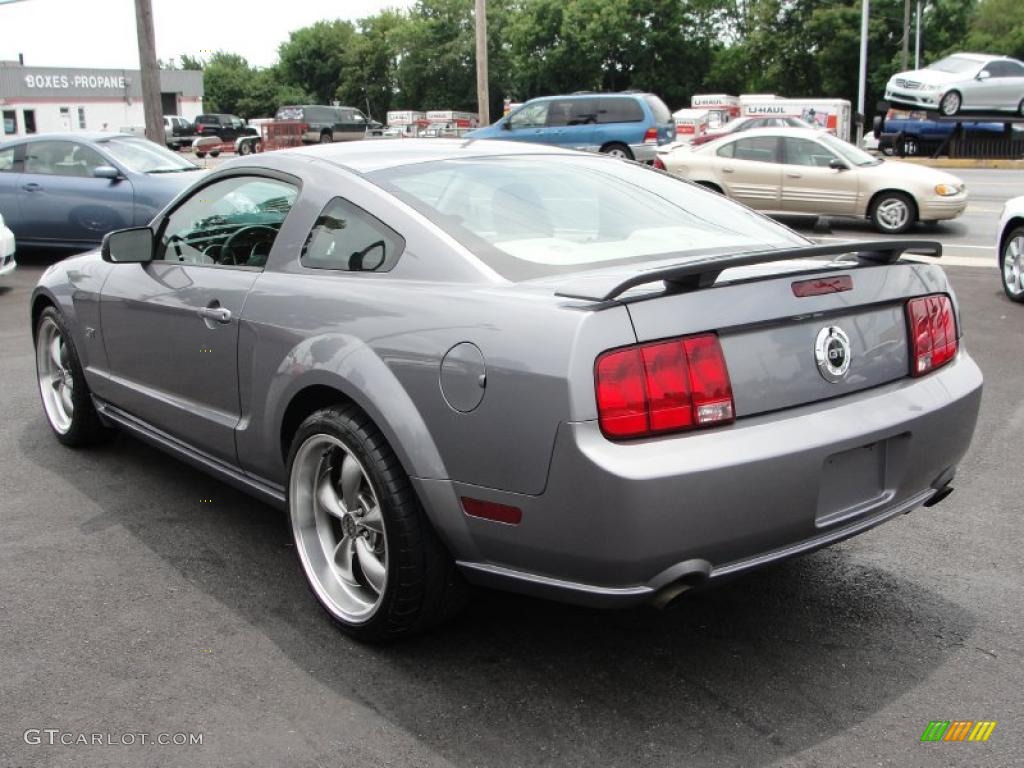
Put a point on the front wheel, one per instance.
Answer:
(245, 148)
(66, 400)
(369, 554)
(950, 104)
(617, 150)
(893, 213)
(1011, 263)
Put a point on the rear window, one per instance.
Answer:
(658, 109)
(210, 119)
(531, 216)
(619, 110)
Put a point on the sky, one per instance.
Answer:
(101, 33)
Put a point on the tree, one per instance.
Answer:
(313, 58)
(998, 28)
(226, 80)
(185, 61)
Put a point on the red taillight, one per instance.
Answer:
(651, 137)
(933, 341)
(665, 386)
(659, 164)
(491, 510)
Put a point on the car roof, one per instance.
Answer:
(592, 94)
(788, 131)
(71, 136)
(368, 156)
(980, 57)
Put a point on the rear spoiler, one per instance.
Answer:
(702, 273)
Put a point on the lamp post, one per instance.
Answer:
(865, 10)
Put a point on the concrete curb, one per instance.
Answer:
(963, 162)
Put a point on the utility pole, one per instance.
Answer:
(917, 39)
(482, 95)
(150, 73)
(905, 53)
(865, 10)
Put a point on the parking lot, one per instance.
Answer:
(140, 596)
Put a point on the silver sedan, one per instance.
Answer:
(963, 82)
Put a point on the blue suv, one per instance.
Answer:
(629, 125)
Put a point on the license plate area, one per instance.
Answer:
(861, 479)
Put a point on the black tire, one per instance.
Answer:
(245, 148)
(946, 103)
(200, 155)
(1020, 108)
(618, 149)
(1017, 232)
(326, 137)
(85, 427)
(215, 153)
(423, 586)
(882, 222)
(710, 185)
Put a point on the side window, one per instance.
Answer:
(727, 150)
(231, 223)
(619, 110)
(61, 158)
(559, 112)
(7, 159)
(584, 112)
(530, 116)
(348, 239)
(805, 152)
(358, 117)
(759, 149)
(1013, 69)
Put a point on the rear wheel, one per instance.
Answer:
(215, 153)
(200, 155)
(1011, 263)
(893, 213)
(1020, 108)
(617, 150)
(950, 103)
(712, 186)
(369, 554)
(245, 148)
(326, 137)
(66, 400)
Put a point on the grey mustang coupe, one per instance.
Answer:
(514, 366)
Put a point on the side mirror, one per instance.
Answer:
(506, 124)
(984, 75)
(838, 165)
(128, 246)
(106, 172)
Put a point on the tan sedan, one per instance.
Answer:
(798, 171)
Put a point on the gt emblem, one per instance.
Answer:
(832, 353)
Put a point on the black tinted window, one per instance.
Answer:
(620, 110)
(347, 238)
(583, 111)
(61, 158)
(560, 112)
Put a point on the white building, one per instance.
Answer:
(46, 99)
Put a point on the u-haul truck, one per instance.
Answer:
(721, 107)
(690, 123)
(835, 115)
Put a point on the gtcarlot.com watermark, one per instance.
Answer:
(56, 737)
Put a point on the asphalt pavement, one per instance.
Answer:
(139, 596)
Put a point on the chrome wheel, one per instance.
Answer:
(1013, 266)
(950, 104)
(618, 152)
(56, 381)
(338, 527)
(893, 213)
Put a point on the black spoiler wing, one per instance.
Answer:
(702, 272)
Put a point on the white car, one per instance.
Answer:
(799, 171)
(962, 82)
(1010, 248)
(7, 264)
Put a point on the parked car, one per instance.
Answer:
(903, 132)
(67, 190)
(7, 263)
(796, 171)
(178, 131)
(224, 127)
(626, 125)
(603, 386)
(749, 123)
(326, 124)
(963, 82)
(1010, 248)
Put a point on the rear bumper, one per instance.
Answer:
(620, 521)
(645, 153)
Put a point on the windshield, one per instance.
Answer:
(532, 216)
(955, 64)
(847, 151)
(143, 156)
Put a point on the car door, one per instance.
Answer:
(810, 184)
(1008, 84)
(571, 123)
(529, 123)
(170, 327)
(749, 171)
(62, 202)
(10, 184)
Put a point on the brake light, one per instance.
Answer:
(651, 137)
(664, 386)
(659, 164)
(933, 340)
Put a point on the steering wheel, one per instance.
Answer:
(262, 231)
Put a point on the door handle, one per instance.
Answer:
(727, 170)
(32, 187)
(217, 314)
(794, 176)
